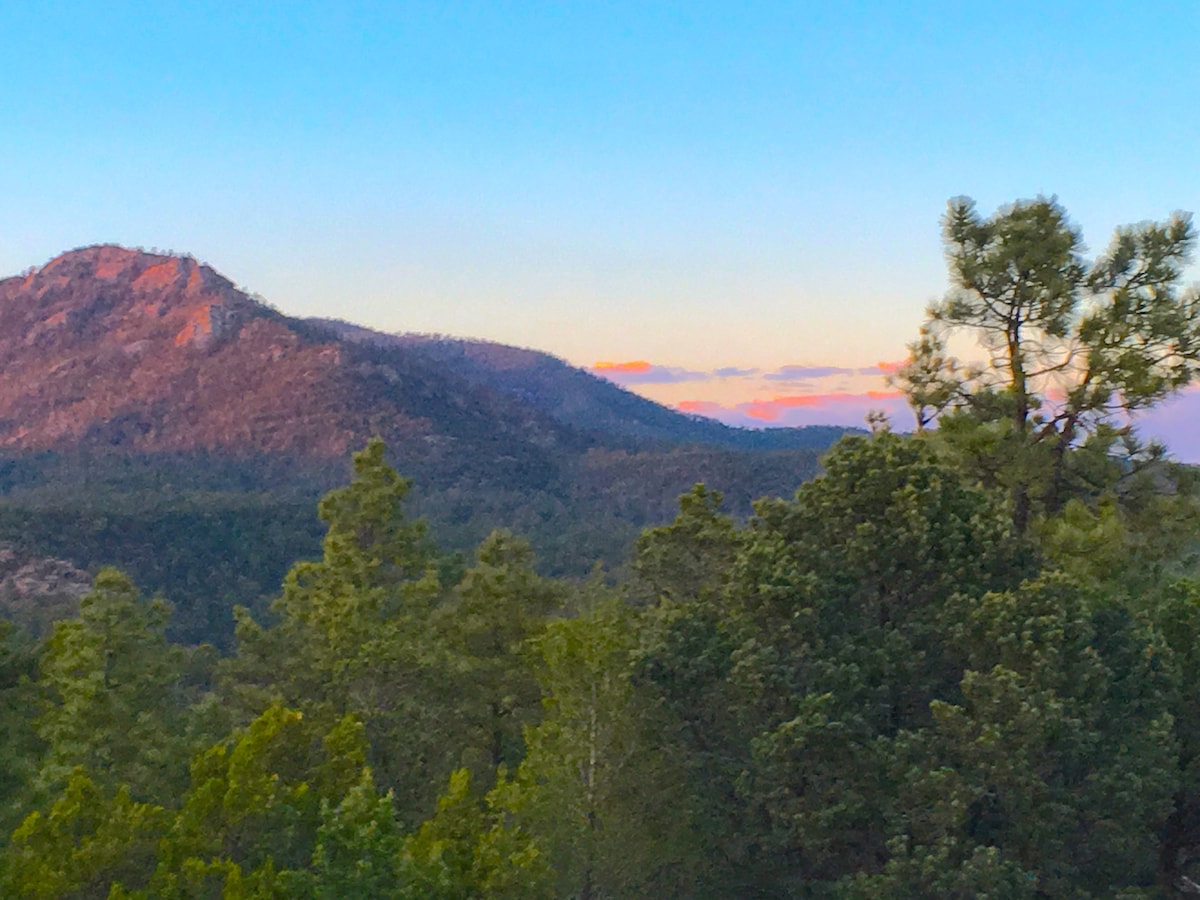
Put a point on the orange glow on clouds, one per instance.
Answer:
(768, 410)
(637, 366)
(752, 397)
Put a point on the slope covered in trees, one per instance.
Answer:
(581, 400)
(212, 531)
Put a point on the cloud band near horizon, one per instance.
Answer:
(639, 371)
(839, 395)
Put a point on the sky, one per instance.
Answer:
(733, 206)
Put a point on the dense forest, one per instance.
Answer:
(959, 663)
(212, 531)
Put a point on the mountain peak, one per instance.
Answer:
(110, 346)
(125, 268)
(107, 262)
(112, 291)
(107, 334)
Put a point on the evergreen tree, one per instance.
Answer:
(599, 788)
(1074, 347)
(20, 747)
(499, 604)
(113, 701)
(356, 633)
(86, 841)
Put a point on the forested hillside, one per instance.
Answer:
(157, 418)
(212, 531)
(581, 400)
(960, 663)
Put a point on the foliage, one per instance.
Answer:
(84, 842)
(598, 786)
(20, 747)
(1115, 334)
(469, 849)
(497, 606)
(686, 560)
(110, 678)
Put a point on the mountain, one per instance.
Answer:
(155, 417)
(108, 347)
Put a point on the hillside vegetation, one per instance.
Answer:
(961, 663)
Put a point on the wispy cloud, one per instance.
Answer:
(833, 408)
(702, 408)
(843, 396)
(773, 397)
(882, 368)
(639, 371)
(734, 372)
(770, 410)
(805, 373)
(636, 366)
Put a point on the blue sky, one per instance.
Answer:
(701, 186)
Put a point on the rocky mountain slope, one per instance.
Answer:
(37, 590)
(108, 347)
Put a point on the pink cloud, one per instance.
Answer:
(883, 367)
(836, 408)
(769, 410)
(700, 407)
(1176, 422)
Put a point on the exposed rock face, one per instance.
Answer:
(109, 346)
(36, 591)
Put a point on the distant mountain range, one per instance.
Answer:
(137, 385)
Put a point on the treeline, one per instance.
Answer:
(877, 688)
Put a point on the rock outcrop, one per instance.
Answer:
(36, 591)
